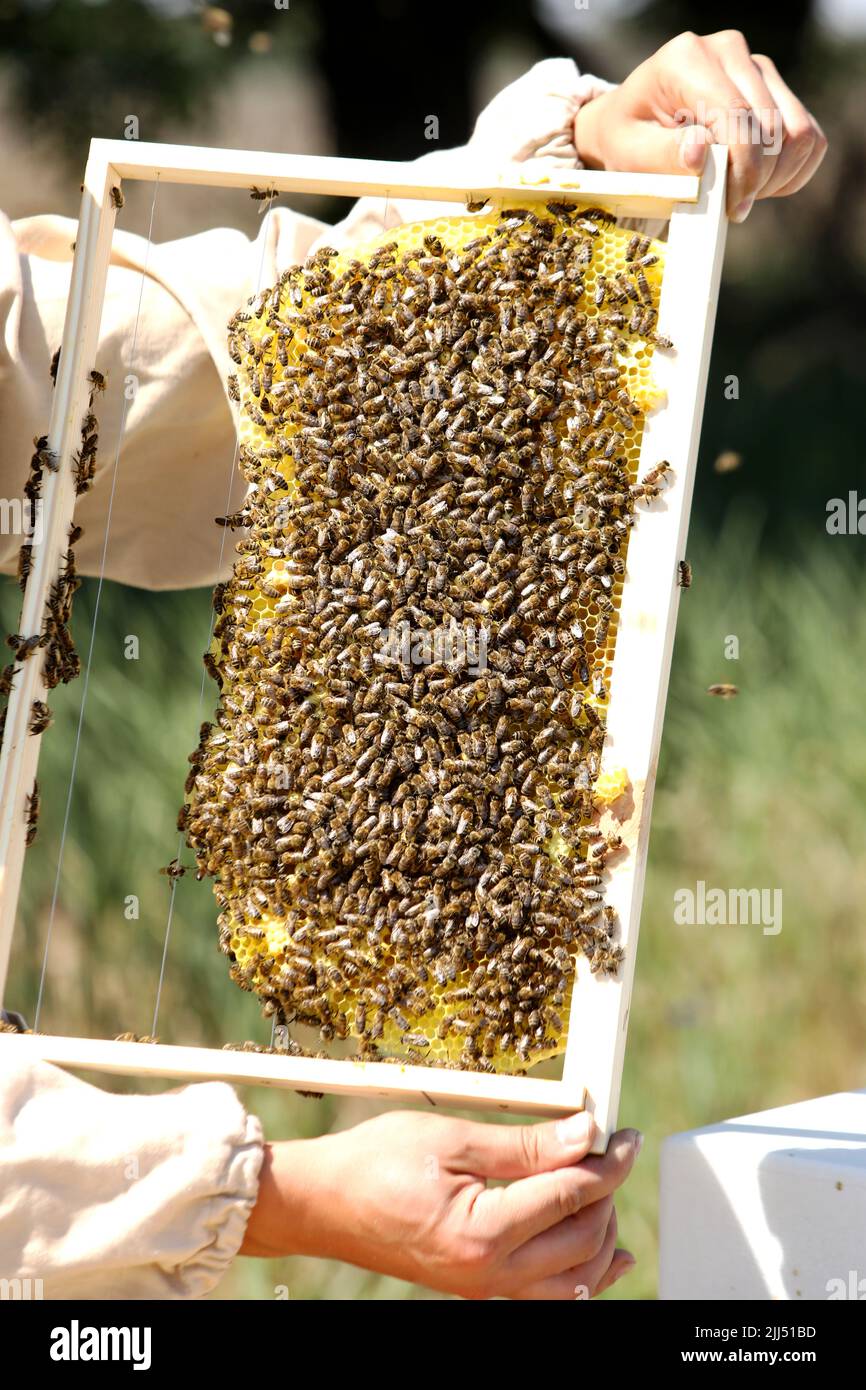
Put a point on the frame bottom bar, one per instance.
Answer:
(434, 1086)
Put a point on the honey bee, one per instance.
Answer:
(24, 647)
(24, 562)
(32, 815)
(655, 475)
(263, 195)
(116, 197)
(44, 457)
(174, 870)
(212, 667)
(565, 211)
(638, 246)
(684, 574)
(40, 717)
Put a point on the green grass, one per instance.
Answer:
(766, 791)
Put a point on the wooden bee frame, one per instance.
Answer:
(695, 209)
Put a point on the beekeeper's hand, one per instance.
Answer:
(406, 1194)
(705, 90)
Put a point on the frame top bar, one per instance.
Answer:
(304, 173)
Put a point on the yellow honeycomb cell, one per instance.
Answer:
(611, 785)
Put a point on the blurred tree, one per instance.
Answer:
(78, 68)
(390, 64)
(784, 42)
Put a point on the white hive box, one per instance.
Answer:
(768, 1206)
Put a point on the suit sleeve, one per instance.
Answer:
(106, 1196)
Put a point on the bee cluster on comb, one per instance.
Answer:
(398, 799)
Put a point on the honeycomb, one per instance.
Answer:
(441, 431)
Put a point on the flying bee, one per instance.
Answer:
(174, 870)
(684, 574)
(724, 691)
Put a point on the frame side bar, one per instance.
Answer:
(20, 750)
(642, 660)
